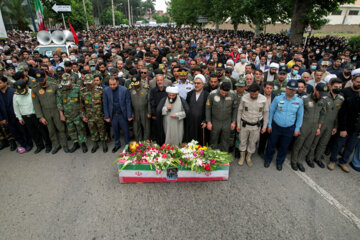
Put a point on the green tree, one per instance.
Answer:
(16, 11)
(106, 17)
(312, 12)
(77, 16)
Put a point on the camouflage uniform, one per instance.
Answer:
(140, 100)
(279, 88)
(91, 107)
(5, 134)
(68, 101)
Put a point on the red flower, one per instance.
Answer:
(167, 147)
(212, 161)
(162, 147)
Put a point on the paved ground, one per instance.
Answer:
(78, 196)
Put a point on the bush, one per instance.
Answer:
(354, 43)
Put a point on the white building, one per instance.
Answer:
(347, 14)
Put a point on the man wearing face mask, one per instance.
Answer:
(171, 112)
(354, 89)
(240, 66)
(270, 74)
(92, 65)
(294, 73)
(348, 119)
(334, 102)
(91, 107)
(314, 116)
(345, 76)
(68, 103)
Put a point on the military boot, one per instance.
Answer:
(95, 147)
(13, 145)
(242, 158)
(237, 153)
(84, 147)
(248, 159)
(74, 148)
(105, 147)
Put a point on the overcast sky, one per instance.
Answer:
(160, 5)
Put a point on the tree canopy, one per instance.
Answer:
(257, 13)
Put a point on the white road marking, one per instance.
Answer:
(330, 199)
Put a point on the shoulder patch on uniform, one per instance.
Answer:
(341, 97)
(146, 86)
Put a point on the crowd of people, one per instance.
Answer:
(230, 90)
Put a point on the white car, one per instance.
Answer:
(47, 50)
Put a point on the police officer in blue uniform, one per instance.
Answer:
(285, 119)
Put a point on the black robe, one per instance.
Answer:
(160, 134)
(197, 117)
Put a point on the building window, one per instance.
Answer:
(353, 12)
(337, 12)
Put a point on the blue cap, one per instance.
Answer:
(292, 84)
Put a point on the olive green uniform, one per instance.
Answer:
(44, 100)
(140, 101)
(68, 101)
(221, 112)
(91, 107)
(314, 114)
(318, 146)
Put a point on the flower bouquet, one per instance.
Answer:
(148, 162)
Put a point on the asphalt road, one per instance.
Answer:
(78, 196)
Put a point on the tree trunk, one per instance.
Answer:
(297, 29)
(235, 25)
(258, 30)
(217, 27)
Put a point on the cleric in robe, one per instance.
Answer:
(196, 99)
(171, 112)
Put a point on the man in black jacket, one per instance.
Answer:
(156, 94)
(196, 99)
(348, 118)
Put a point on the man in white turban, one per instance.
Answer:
(172, 111)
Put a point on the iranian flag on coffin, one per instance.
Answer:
(143, 173)
(39, 15)
(148, 162)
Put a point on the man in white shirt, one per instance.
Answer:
(240, 66)
(25, 113)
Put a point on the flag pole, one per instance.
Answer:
(31, 15)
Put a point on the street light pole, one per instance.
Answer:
(87, 22)
(129, 12)
(113, 14)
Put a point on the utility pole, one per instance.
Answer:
(87, 22)
(129, 12)
(113, 14)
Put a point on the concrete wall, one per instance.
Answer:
(284, 27)
(344, 17)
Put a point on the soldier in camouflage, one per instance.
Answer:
(92, 113)
(68, 103)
